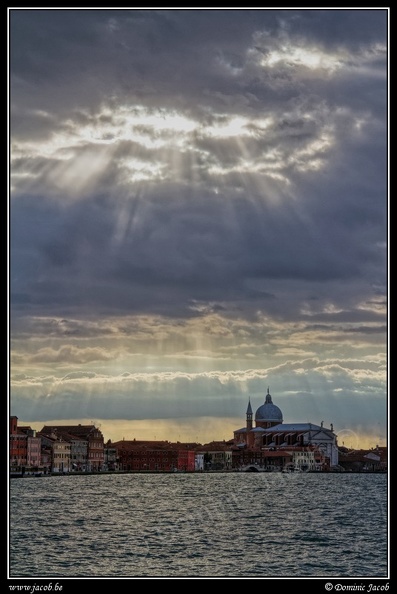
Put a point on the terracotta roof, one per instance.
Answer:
(135, 445)
(78, 430)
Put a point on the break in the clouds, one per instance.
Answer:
(198, 209)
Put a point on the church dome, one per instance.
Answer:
(269, 411)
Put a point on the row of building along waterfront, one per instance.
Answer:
(264, 443)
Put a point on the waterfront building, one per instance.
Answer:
(217, 455)
(270, 433)
(46, 458)
(33, 450)
(374, 460)
(199, 461)
(18, 446)
(25, 447)
(81, 436)
(244, 458)
(59, 452)
(110, 457)
(61, 456)
(78, 447)
(155, 455)
(78, 452)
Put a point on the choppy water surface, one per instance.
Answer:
(199, 525)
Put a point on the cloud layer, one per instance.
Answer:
(198, 208)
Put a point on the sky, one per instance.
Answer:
(198, 211)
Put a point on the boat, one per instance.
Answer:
(290, 468)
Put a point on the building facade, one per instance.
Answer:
(155, 456)
(316, 444)
(24, 447)
(33, 451)
(217, 455)
(18, 446)
(86, 440)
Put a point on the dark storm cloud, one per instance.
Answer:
(186, 55)
(191, 248)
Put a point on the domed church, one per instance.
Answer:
(268, 414)
(270, 432)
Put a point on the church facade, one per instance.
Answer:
(270, 433)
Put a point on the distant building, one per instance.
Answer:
(61, 456)
(270, 433)
(199, 461)
(110, 457)
(80, 437)
(33, 452)
(155, 456)
(25, 447)
(18, 446)
(374, 460)
(217, 455)
(58, 450)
